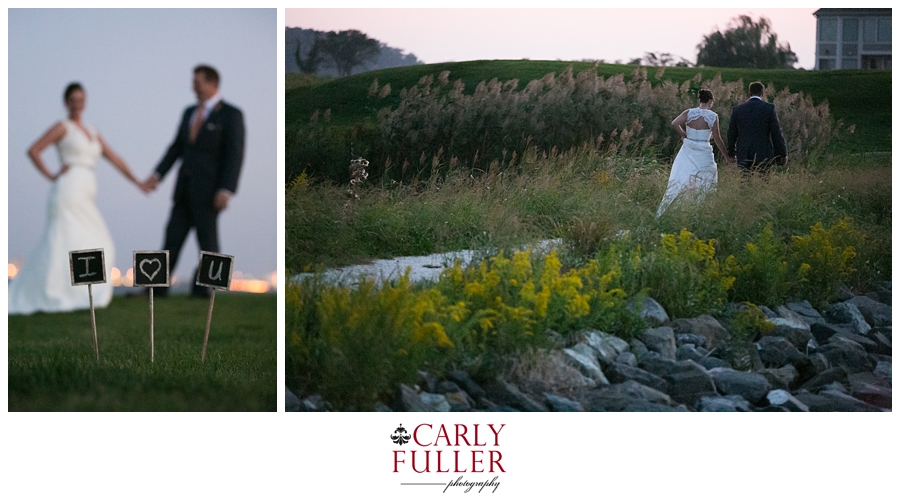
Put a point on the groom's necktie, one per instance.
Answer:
(198, 122)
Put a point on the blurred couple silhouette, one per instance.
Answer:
(210, 144)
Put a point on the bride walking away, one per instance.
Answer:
(694, 171)
(73, 220)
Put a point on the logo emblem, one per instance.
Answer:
(400, 436)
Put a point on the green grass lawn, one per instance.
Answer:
(52, 366)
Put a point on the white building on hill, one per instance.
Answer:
(853, 39)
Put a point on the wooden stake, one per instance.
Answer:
(151, 325)
(94, 322)
(212, 299)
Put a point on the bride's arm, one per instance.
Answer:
(120, 165)
(55, 133)
(678, 124)
(719, 142)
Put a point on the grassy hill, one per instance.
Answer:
(862, 98)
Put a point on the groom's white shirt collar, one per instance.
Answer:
(208, 106)
(751, 97)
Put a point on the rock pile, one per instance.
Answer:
(838, 359)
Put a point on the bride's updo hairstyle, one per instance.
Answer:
(72, 87)
(705, 95)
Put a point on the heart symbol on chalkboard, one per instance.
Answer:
(152, 275)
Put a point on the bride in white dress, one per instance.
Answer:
(694, 171)
(73, 221)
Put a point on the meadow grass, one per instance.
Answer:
(585, 197)
(52, 366)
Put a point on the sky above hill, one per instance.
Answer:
(443, 35)
(136, 66)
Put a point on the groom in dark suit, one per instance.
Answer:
(210, 144)
(754, 134)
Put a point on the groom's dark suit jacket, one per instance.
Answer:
(213, 161)
(754, 135)
(209, 164)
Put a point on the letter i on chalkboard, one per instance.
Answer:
(214, 272)
(151, 269)
(88, 267)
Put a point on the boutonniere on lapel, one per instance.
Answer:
(211, 126)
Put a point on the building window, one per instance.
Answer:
(826, 64)
(849, 63)
(870, 30)
(850, 33)
(849, 49)
(884, 30)
(828, 29)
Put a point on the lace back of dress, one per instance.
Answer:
(708, 115)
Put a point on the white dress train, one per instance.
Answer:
(694, 171)
(73, 223)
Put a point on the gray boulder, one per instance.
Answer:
(462, 379)
(826, 377)
(585, 360)
(834, 401)
(848, 313)
(710, 362)
(638, 348)
(867, 343)
(434, 402)
(561, 404)
(823, 331)
(723, 404)
(797, 332)
(688, 382)
(688, 351)
(867, 387)
(784, 399)
(777, 351)
(705, 326)
(629, 396)
(504, 393)
(883, 371)
(621, 372)
(875, 313)
(751, 386)
(606, 346)
(291, 401)
(627, 358)
(689, 338)
(806, 311)
(459, 401)
(883, 343)
(408, 400)
(847, 354)
(661, 340)
(768, 312)
(656, 365)
(785, 377)
(650, 311)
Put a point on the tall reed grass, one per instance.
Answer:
(439, 127)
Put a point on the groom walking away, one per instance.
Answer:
(210, 143)
(754, 134)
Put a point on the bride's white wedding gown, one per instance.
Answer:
(694, 171)
(73, 223)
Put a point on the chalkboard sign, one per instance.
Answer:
(87, 266)
(151, 268)
(215, 270)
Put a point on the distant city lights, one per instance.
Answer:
(240, 281)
